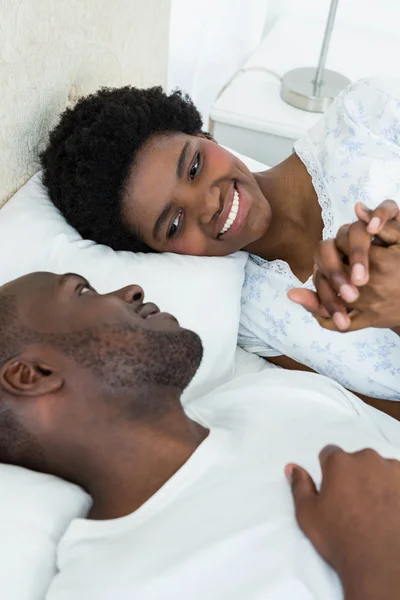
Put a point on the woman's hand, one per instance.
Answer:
(360, 234)
(353, 521)
(376, 303)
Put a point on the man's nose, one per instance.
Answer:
(131, 294)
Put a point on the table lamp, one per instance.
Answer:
(310, 88)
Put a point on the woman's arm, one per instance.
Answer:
(387, 406)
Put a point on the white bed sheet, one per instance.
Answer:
(246, 363)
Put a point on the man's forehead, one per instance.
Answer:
(28, 288)
(30, 280)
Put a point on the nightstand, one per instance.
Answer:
(250, 116)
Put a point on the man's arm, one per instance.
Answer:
(353, 521)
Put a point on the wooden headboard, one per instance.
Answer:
(54, 51)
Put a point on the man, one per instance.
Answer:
(353, 521)
(186, 504)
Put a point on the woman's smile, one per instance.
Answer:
(237, 216)
(231, 204)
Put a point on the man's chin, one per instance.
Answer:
(193, 355)
(151, 356)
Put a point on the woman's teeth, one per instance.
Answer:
(232, 214)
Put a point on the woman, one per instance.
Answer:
(130, 168)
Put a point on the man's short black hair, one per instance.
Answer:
(92, 149)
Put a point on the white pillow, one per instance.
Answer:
(35, 510)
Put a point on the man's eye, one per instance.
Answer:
(85, 288)
(195, 166)
(175, 226)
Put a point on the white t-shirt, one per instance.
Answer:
(352, 154)
(223, 527)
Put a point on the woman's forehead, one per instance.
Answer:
(152, 180)
(160, 152)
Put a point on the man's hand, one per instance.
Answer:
(354, 520)
(376, 303)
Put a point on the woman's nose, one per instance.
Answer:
(210, 203)
(132, 294)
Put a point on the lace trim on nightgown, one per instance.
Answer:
(281, 267)
(324, 201)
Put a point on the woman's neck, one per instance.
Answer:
(296, 225)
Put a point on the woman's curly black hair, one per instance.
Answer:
(92, 149)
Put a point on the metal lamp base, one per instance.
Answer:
(299, 89)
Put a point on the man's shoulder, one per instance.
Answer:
(274, 394)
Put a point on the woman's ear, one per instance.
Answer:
(21, 376)
(208, 135)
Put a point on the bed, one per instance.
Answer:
(52, 53)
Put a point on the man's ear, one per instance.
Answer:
(21, 376)
(208, 135)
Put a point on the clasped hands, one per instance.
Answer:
(357, 274)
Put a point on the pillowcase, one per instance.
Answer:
(35, 510)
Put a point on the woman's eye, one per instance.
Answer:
(175, 226)
(195, 166)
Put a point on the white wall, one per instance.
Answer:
(383, 15)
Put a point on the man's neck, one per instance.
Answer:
(122, 463)
(138, 468)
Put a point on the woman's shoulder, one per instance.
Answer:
(366, 112)
(373, 104)
(352, 154)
